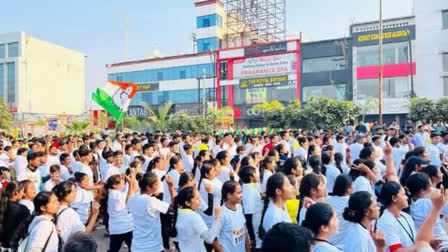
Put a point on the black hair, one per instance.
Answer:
(222, 155)
(33, 155)
(287, 237)
(173, 161)
(342, 184)
(318, 215)
(149, 179)
(111, 181)
(184, 195)
(152, 164)
(80, 242)
(263, 166)
(147, 146)
(366, 153)
(245, 160)
(290, 165)
(431, 170)
(309, 182)
(303, 161)
(63, 189)
(338, 159)
(407, 171)
(198, 161)
(358, 204)
(418, 151)
(315, 163)
(62, 157)
(302, 140)
(20, 151)
(326, 159)
(55, 168)
(117, 153)
(206, 168)
(6, 193)
(246, 173)
(311, 149)
(228, 187)
(79, 176)
(274, 182)
(388, 191)
(184, 178)
(416, 183)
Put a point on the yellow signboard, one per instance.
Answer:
(386, 35)
(264, 82)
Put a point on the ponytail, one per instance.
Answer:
(111, 181)
(173, 161)
(184, 195)
(274, 182)
(6, 193)
(206, 168)
(338, 158)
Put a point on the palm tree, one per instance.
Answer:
(77, 126)
(160, 118)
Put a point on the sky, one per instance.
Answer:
(96, 28)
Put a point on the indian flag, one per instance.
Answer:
(105, 97)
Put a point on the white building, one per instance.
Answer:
(431, 20)
(38, 77)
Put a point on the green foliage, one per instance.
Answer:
(77, 125)
(135, 124)
(272, 113)
(422, 108)
(189, 123)
(370, 106)
(442, 109)
(159, 119)
(5, 116)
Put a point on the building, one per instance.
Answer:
(40, 78)
(432, 48)
(398, 82)
(210, 25)
(327, 69)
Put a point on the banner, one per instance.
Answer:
(390, 35)
(282, 64)
(264, 82)
(256, 95)
(259, 50)
(139, 111)
(53, 124)
(146, 87)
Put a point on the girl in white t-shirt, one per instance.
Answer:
(419, 187)
(266, 170)
(361, 211)
(330, 171)
(68, 221)
(278, 190)
(226, 172)
(209, 171)
(29, 192)
(121, 223)
(367, 177)
(84, 198)
(252, 202)
(323, 221)
(190, 228)
(233, 232)
(312, 189)
(146, 209)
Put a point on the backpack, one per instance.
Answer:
(23, 243)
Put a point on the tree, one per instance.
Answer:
(422, 108)
(77, 126)
(272, 113)
(442, 109)
(223, 116)
(189, 123)
(5, 116)
(160, 118)
(370, 106)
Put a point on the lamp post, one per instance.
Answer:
(380, 71)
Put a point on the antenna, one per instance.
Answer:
(126, 36)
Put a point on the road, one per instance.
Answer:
(102, 240)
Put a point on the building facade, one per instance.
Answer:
(399, 71)
(210, 25)
(432, 48)
(40, 78)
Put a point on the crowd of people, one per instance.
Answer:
(362, 189)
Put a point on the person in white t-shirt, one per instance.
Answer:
(29, 192)
(323, 221)
(367, 178)
(121, 223)
(233, 234)
(209, 170)
(68, 220)
(278, 190)
(397, 226)
(53, 156)
(66, 170)
(356, 147)
(227, 171)
(188, 158)
(330, 171)
(361, 211)
(145, 209)
(341, 147)
(55, 179)
(190, 228)
(84, 197)
(312, 189)
(267, 167)
(20, 164)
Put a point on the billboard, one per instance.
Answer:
(259, 50)
(390, 35)
(139, 111)
(264, 82)
(281, 64)
(146, 87)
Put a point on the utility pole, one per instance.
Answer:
(380, 77)
(203, 92)
(411, 65)
(126, 37)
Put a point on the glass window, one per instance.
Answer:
(445, 62)
(11, 82)
(183, 74)
(244, 96)
(2, 51)
(336, 91)
(219, 21)
(445, 19)
(13, 49)
(323, 64)
(160, 76)
(397, 87)
(445, 86)
(393, 53)
(224, 70)
(2, 84)
(209, 20)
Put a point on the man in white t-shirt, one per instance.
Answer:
(302, 150)
(356, 147)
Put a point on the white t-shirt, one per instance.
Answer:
(111, 170)
(189, 227)
(399, 232)
(176, 176)
(216, 186)
(35, 177)
(68, 222)
(274, 215)
(65, 174)
(341, 148)
(224, 175)
(325, 247)
(253, 204)
(20, 165)
(42, 228)
(363, 184)
(339, 204)
(87, 170)
(358, 239)
(28, 203)
(331, 174)
(52, 160)
(48, 186)
(146, 211)
(300, 152)
(266, 175)
(355, 149)
(233, 230)
(82, 203)
(188, 163)
(146, 163)
(120, 220)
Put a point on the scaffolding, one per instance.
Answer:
(255, 21)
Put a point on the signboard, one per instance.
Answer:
(282, 64)
(53, 124)
(264, 82)
(146, 87)
(191, 109)
(391, 35)
(258, 50)
(256, 95)
(138, 111)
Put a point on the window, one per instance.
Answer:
(2, 51)
(160, 76)
(397, 87)
(393, 53)
(218, 20)
(183, 74)
(336, 91)
(323, 64)
(445, 20)
(2, 84)
(445, 62)
(13, 49)
(209, 20)
(445, 86)
(207, 44)
(11, 82)
(224, 70)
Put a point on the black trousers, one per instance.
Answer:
(166, 220)
(117, 240)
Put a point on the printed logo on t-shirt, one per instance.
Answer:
(238, 235)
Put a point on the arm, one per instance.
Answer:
(93, 217)
(209, 210)
(391, 174)
(210, 235)
(170, 181)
